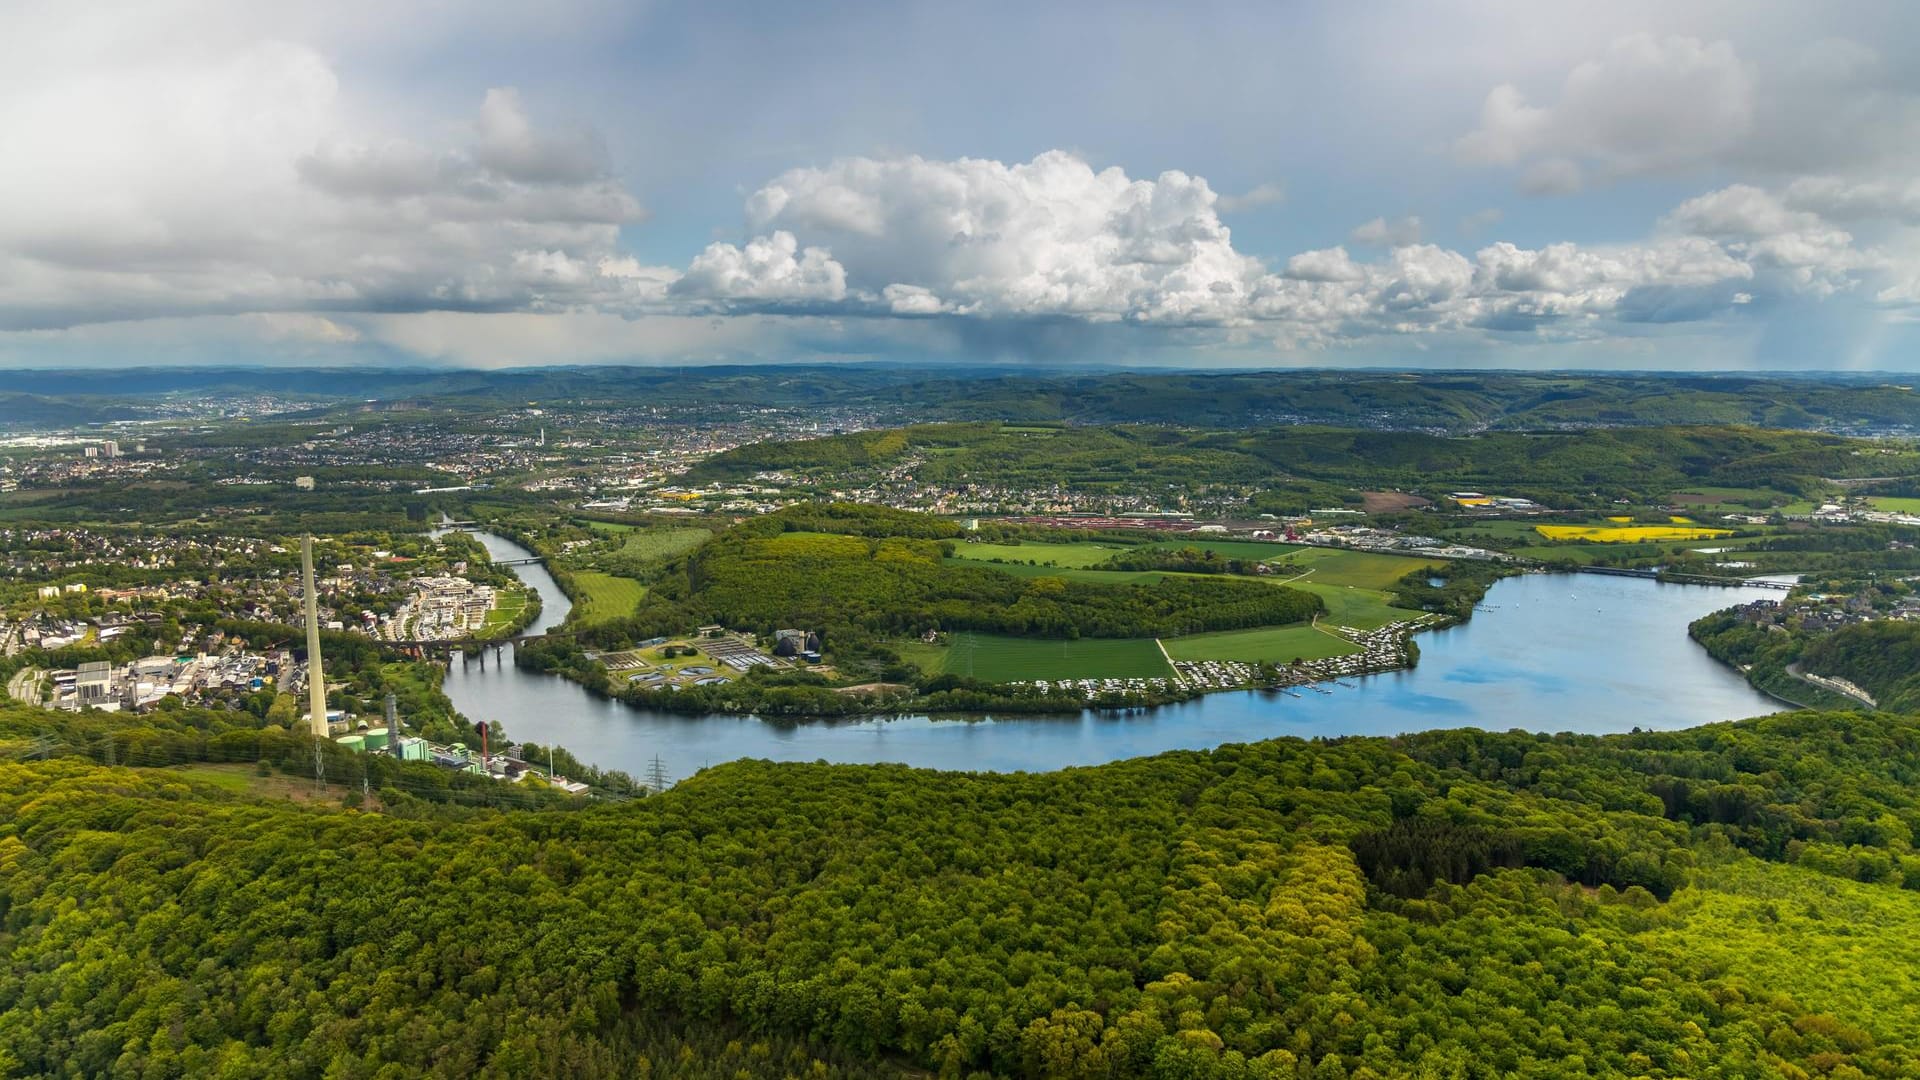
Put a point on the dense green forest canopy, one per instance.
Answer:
(1882, 657)
(1643, 462)
(1735, 900)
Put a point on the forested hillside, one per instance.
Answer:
(1639, 462)
(1732, 901)
(1883, 657)
(1433, 401)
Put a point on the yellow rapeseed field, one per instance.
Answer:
(1628, 534)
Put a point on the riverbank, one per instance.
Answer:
(803, 695)
(1533, 659)
(1764, 661)
(1433, 598)
(1030, 672)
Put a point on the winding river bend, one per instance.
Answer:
(1548, 653)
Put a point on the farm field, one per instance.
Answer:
(1384, 502)
(1731, 543)
(1274, 644)
(1361, 569)
(1729, 497)
(1348, 605)
(1896, 504)
(1233, 549)
(601, 597)
(1500, 528)
(645, 544)
(1629, 534)
(1590, 553)
(997, 658)
(931, 659)
(1585, 554)
(1364, 569)
(1083, 554)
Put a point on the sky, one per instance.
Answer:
(1621, 185)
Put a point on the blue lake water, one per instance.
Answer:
(1572, 652)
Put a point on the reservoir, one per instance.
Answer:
(1548, 652)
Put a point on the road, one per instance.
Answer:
(26, 686)
(1837, 686)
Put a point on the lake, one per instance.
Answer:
(1548, 652)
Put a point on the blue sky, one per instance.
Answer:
(1710, 185)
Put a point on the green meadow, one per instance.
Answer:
(1268, 644)
(1361, 569)
(599, 597)
(1081, 554)
(999, 658)
(1349, 605)
(648, 544)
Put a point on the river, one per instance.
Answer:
(1549, 653)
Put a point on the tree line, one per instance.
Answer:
(1458, 903)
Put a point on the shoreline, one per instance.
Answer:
(983, 703)
(1129, 699)
(1448, 688)
(1183, 690)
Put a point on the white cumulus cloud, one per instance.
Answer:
(1052, 236)
(1757, 225)
(767, 268)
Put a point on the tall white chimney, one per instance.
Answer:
(316, 679)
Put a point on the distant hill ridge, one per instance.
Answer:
(1430, 401)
